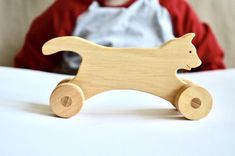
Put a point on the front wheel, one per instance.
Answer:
(194, 102)
(66, 100)
(64, 81)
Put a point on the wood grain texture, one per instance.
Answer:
(151, 70)
(66, 100)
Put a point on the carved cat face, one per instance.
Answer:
(182, 52)
(190, 53)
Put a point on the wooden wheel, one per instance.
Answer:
(64, 81)
(66, 100)
(194, 102)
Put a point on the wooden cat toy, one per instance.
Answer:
(151, 70)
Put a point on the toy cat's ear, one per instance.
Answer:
(189, 37)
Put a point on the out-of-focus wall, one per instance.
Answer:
(220, 14)
(15, 19)
(16, 16)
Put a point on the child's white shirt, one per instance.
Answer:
(143, 24)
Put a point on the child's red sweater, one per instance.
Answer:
(60, 18)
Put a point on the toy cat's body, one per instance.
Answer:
(151, 70)
(143, 69)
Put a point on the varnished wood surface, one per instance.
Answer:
(151, 70)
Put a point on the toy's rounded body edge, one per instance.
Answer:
(151, 70)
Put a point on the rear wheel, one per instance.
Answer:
(66, 100)
(194, 102)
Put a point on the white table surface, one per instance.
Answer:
(114, 123)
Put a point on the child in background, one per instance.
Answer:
(115, 23)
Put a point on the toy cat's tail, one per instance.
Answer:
(69, 43)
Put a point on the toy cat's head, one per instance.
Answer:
(182, 52)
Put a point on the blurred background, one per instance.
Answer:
(17, 15)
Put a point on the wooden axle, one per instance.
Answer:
(151, 70)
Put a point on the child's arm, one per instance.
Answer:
(184, 21)
(57, 20)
